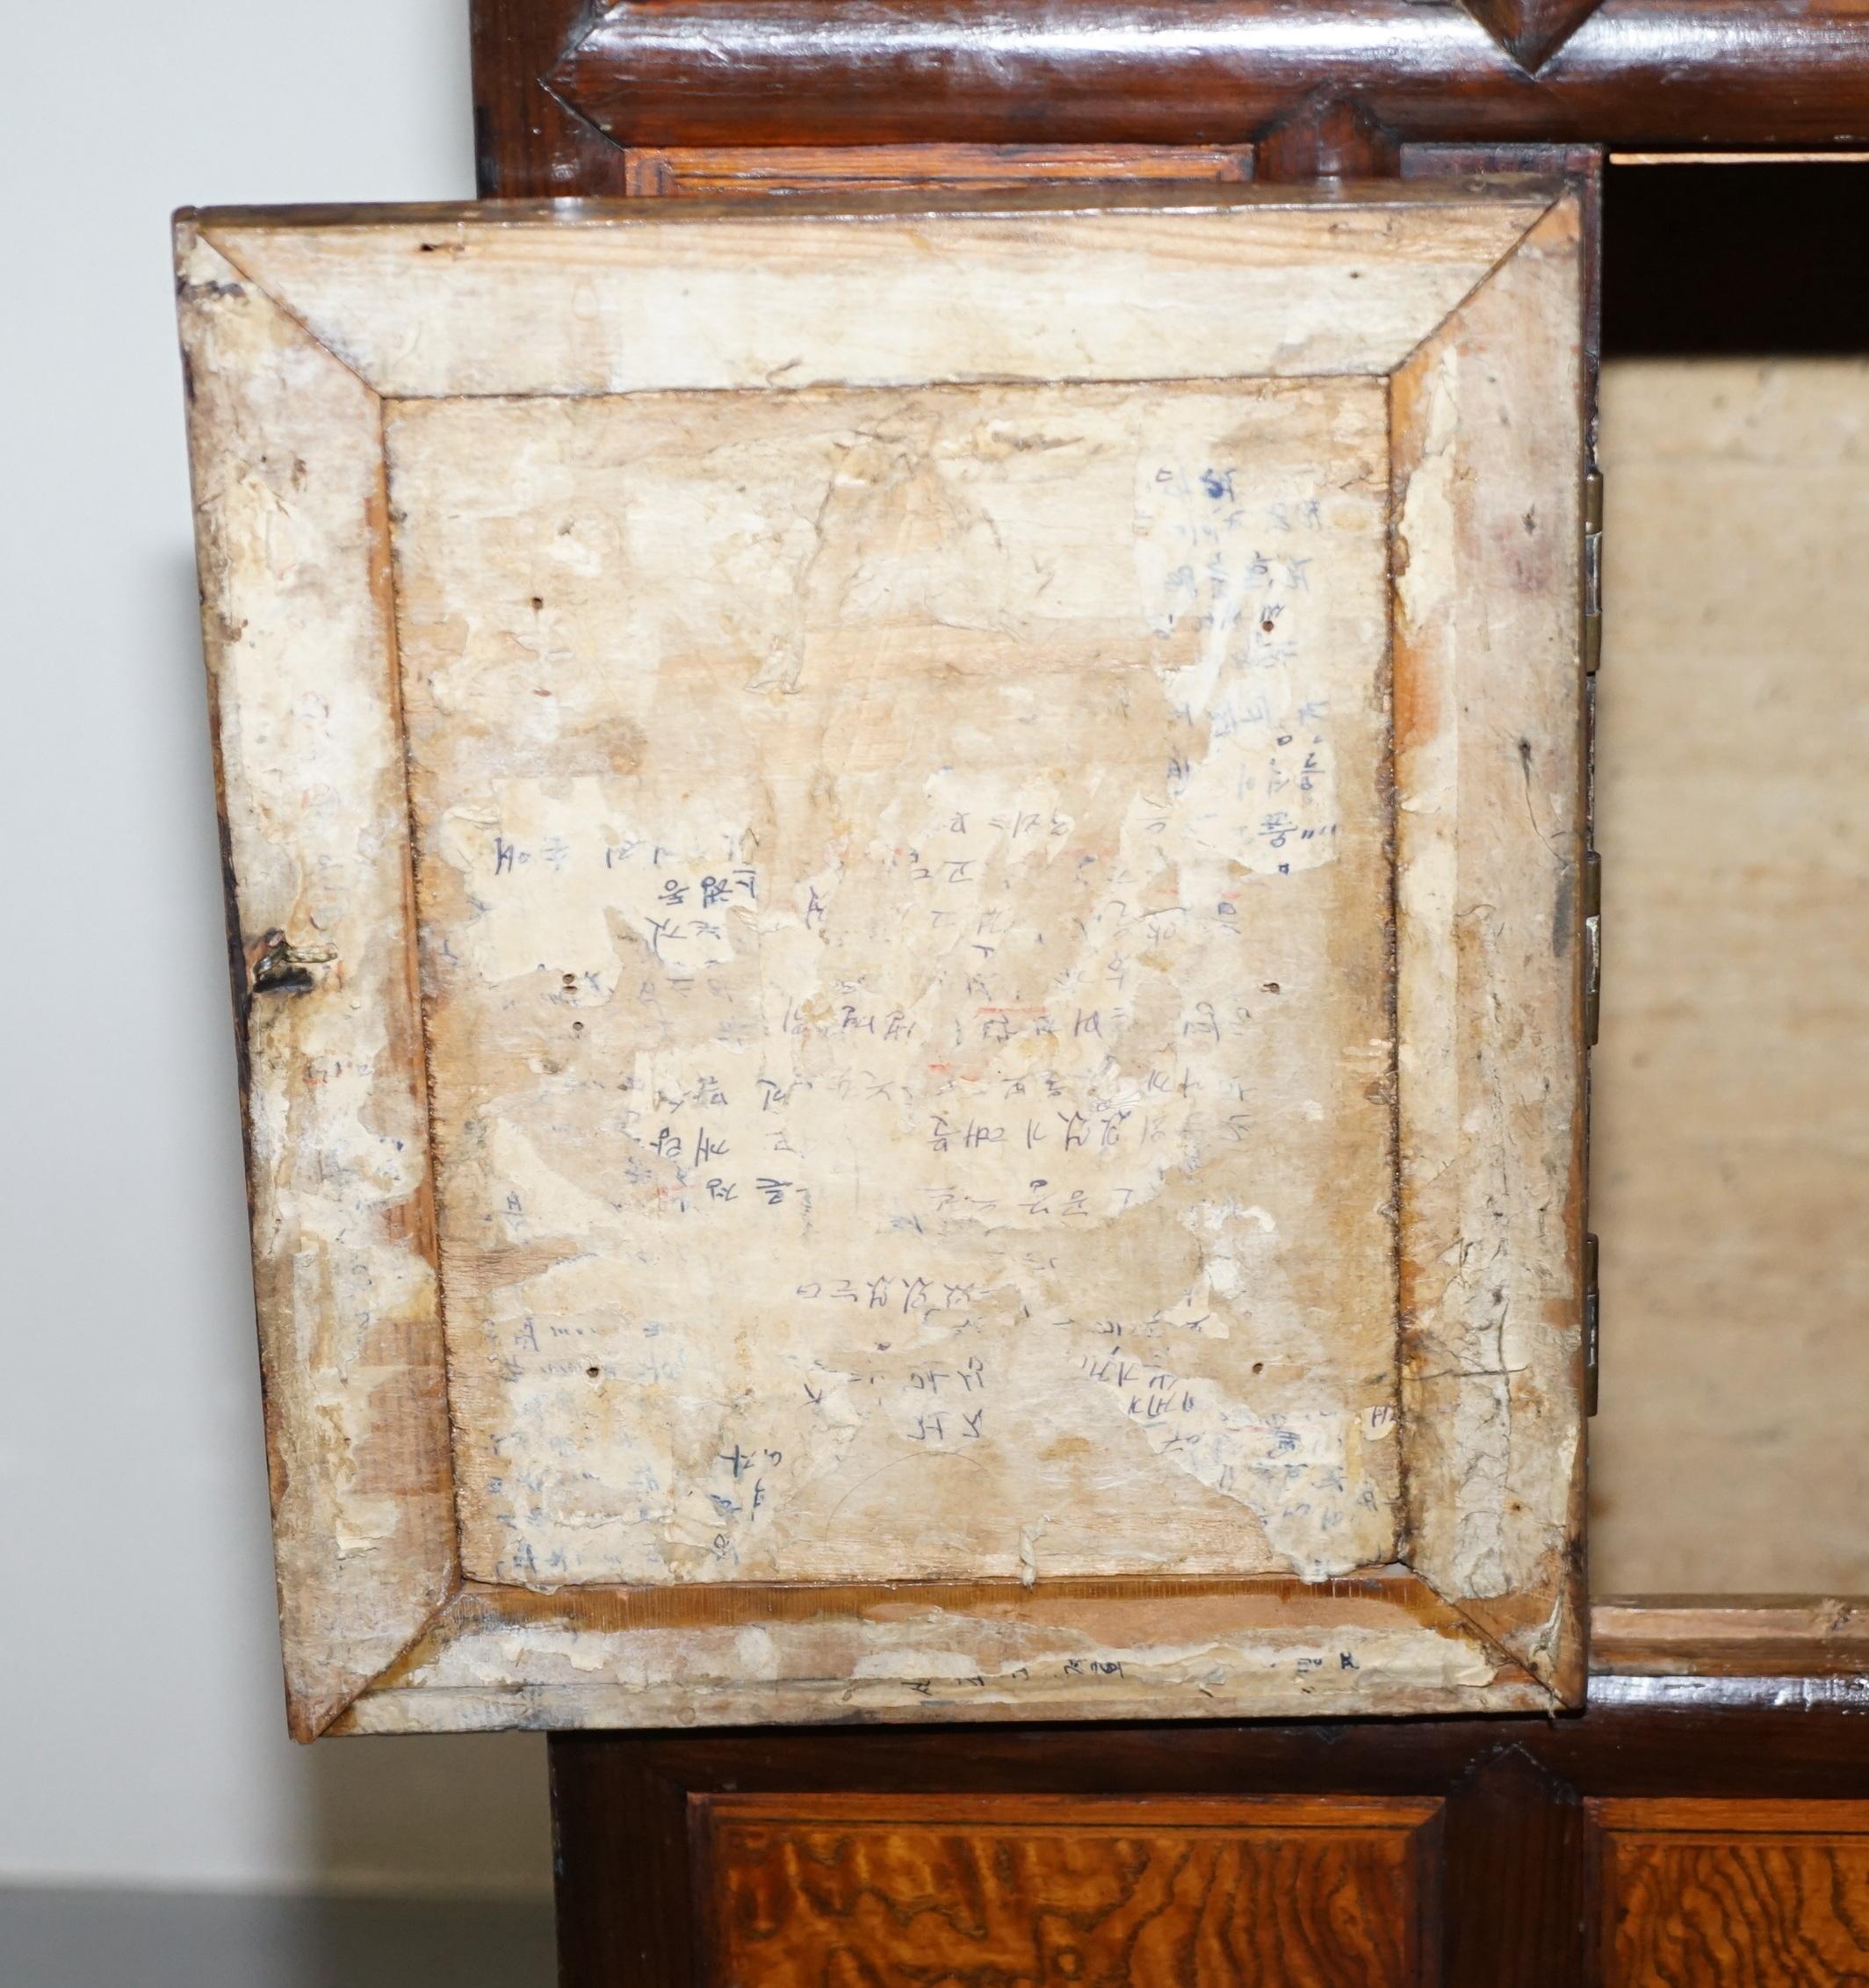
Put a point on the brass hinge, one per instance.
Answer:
(1592, 570)
(1593, 947)
(1592, 908)
(1592, 1326)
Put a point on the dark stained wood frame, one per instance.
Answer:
(1521, 1859)
(562, 85)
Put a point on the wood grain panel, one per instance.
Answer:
(1678, 1636)
(1515, 1852)
(712, 172)
(1734, 1894)
(1096, 1893)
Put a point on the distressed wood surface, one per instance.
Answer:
(1732, 1121)
(910, 942)
(1219, 282)
(944, 1652)
(297, 626)
(950, 914)
(1207, 1891)
(1488, 725)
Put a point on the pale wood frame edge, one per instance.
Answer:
(1490, 424)
(287, 453)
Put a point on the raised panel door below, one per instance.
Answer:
(866, 1892)
(1733, 1894)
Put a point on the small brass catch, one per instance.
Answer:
(1592, 1327)
(279, 967)
(1593, 948)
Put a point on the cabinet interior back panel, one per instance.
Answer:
(1730, 1183)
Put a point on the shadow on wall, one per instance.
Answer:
(464, 1814)
(461, 1812)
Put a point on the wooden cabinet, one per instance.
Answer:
(946, 485)
(1672, 1835)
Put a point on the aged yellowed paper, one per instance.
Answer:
(904, 913)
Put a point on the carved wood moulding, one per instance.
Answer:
(1656, 72)
(1530, 31)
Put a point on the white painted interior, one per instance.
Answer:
(143, 1740)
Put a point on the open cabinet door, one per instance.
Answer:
(907, 883)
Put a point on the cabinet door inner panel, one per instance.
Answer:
(905, 939)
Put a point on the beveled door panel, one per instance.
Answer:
(1097, 1893)
(1733, 1894)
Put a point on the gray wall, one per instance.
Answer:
(142, 1738)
